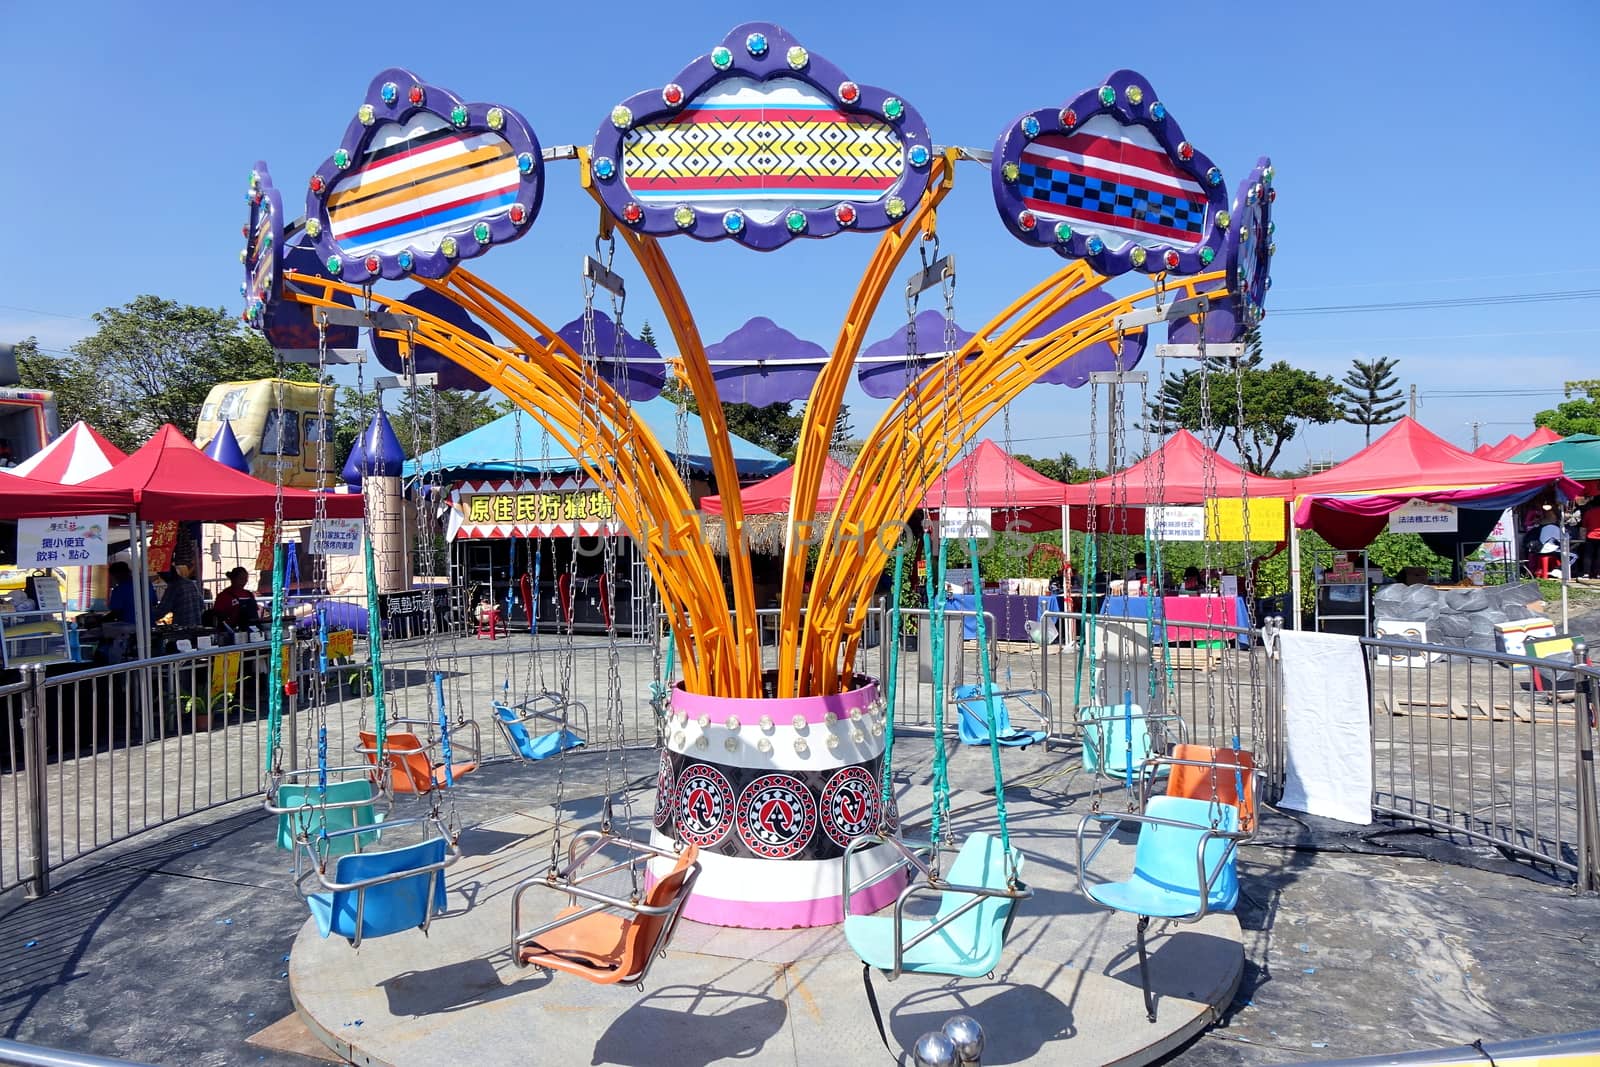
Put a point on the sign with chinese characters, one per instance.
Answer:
(336, 537)
(67, 541)
(1421, 516)
(564, 506)
(962, 523)
(1176, 524)
(163, 540)
(269, 538)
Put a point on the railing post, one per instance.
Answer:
(884, 637)
(33, 739)
(1044, 667)
(1588, 817)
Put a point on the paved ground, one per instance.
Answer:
(170, 948)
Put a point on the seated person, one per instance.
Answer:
(119, 603)
(182, 600)
(236, 605)
(1191, 579)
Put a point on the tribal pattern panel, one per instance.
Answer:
(419, 182)
(752, 147)
(1105, 182)
(758, 813)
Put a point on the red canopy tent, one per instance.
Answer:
(170, 479)
(771, 497)
(75, 456)
(1025, 500)
(1349, 505)
(34, 498)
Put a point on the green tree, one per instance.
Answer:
(1578, 415)
(1369, 394)
(1257, 407)
(648, 336)
(151, 361)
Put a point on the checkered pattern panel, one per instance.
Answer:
(1110, 198)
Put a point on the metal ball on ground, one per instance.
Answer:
(934, 1049)
(967, 1037)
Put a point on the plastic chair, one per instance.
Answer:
(348, 805)
(491, 621)
(1183, 867)
(513, 724)
(966, 936)
(413, 767)
(973, 723)
(1225, 775)
(374, 894)
(610, 940)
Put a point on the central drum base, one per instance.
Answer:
(773, 791)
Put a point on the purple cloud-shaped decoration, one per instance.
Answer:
(638, 375)
(1247, 259)
(428, 360)
(761, 141)
(421, 181)
(881, 370)
(1111, 179)
(1101, 356)
(268, 254)
(762, 363)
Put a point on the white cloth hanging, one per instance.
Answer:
(1327, 726)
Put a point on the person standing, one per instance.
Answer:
(182, 600)
(236, 605)
(120, 605)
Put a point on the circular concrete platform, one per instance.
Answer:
(1066, 993)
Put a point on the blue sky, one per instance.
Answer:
(1424, 151)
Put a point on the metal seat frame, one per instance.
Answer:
(310, 859)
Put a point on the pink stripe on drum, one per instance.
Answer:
(811, 709)
(788, 914)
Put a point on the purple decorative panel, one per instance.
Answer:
(761, 363)
(761, 141)
(1247, 258)
(428, 361)
(638, 375)
(287, 326)
(1111, 179)
(881, 370)
(1075, 371)
(421, 181)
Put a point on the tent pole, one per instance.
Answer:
(1566, 572)
(141, 623)
(1294, 572)
(1066, 533)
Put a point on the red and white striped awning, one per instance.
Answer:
(75, 456)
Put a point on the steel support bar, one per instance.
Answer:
(603, 276)
(405, 381)
(1119, 377)
(933, 274)
(366, 320)
(1178, 309)
(1227, 351)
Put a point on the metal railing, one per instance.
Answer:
(1490, 748)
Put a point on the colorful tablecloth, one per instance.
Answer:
(1200, 611)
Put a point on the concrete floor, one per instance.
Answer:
(170, 948)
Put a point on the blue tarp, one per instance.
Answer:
(492, 449)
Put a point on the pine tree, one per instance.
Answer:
(1369, 394)
(648, 336)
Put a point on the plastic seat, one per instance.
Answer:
(1115, 738)
(1166, 882)
(412, 768)
(968, 944)
(1225, 775)
(514, 728)
(492, 621)
(609, 947)
(346, 806)
(973, 722)
(383, 907)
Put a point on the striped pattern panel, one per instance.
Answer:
(416, 183)
(260, 255)
(796, 152)
(1102, 182)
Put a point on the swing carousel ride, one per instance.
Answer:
(774, 803)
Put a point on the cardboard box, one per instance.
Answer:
(1512, 637)
(1404, 630)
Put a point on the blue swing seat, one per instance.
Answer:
(347, 805)
(1166, 882)
(403, 902)
(514, 727)
(970, 944)
(1107, 746)
(973, 723)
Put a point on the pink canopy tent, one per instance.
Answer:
(1023, 500)
(771, 497)
(168, 478)
(1512, 444)
(75, 456)
(1349, 505)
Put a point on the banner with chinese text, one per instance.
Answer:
(561, 506)
(67, 541)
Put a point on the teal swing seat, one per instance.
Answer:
(1184, 867)
(374, 894)
(977, 902)
(1116, 738)
(973, 725)
(348, 805)
(529, 748)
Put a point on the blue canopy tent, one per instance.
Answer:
(492, 449)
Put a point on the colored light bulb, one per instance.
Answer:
(1096, 246)
(795, 221)
(481, 232)
(621, 115)
(1027, 220)
(1207, 254)
(1010, 171)
(458, 115)
(525, 162)
(798, 57)
(389, 93)
(895, 207)
(733, 221)
(683, 215)
(335, 264)
(632, 212)
(893, 108)
(1137, 256)
(366, 115)
(605, 168)
(845, 215)
(918, 155)
(405, 260)
(672, 94)
(721, 58)
(1030, 127)
(496, 118)
(341, 158)
(756, 44)
(849, 92)
(1063, 231)
(1158, 111)
(1108, 95)
(416, 95)
(448, 247)
(1069, 118)
(1134, 95)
